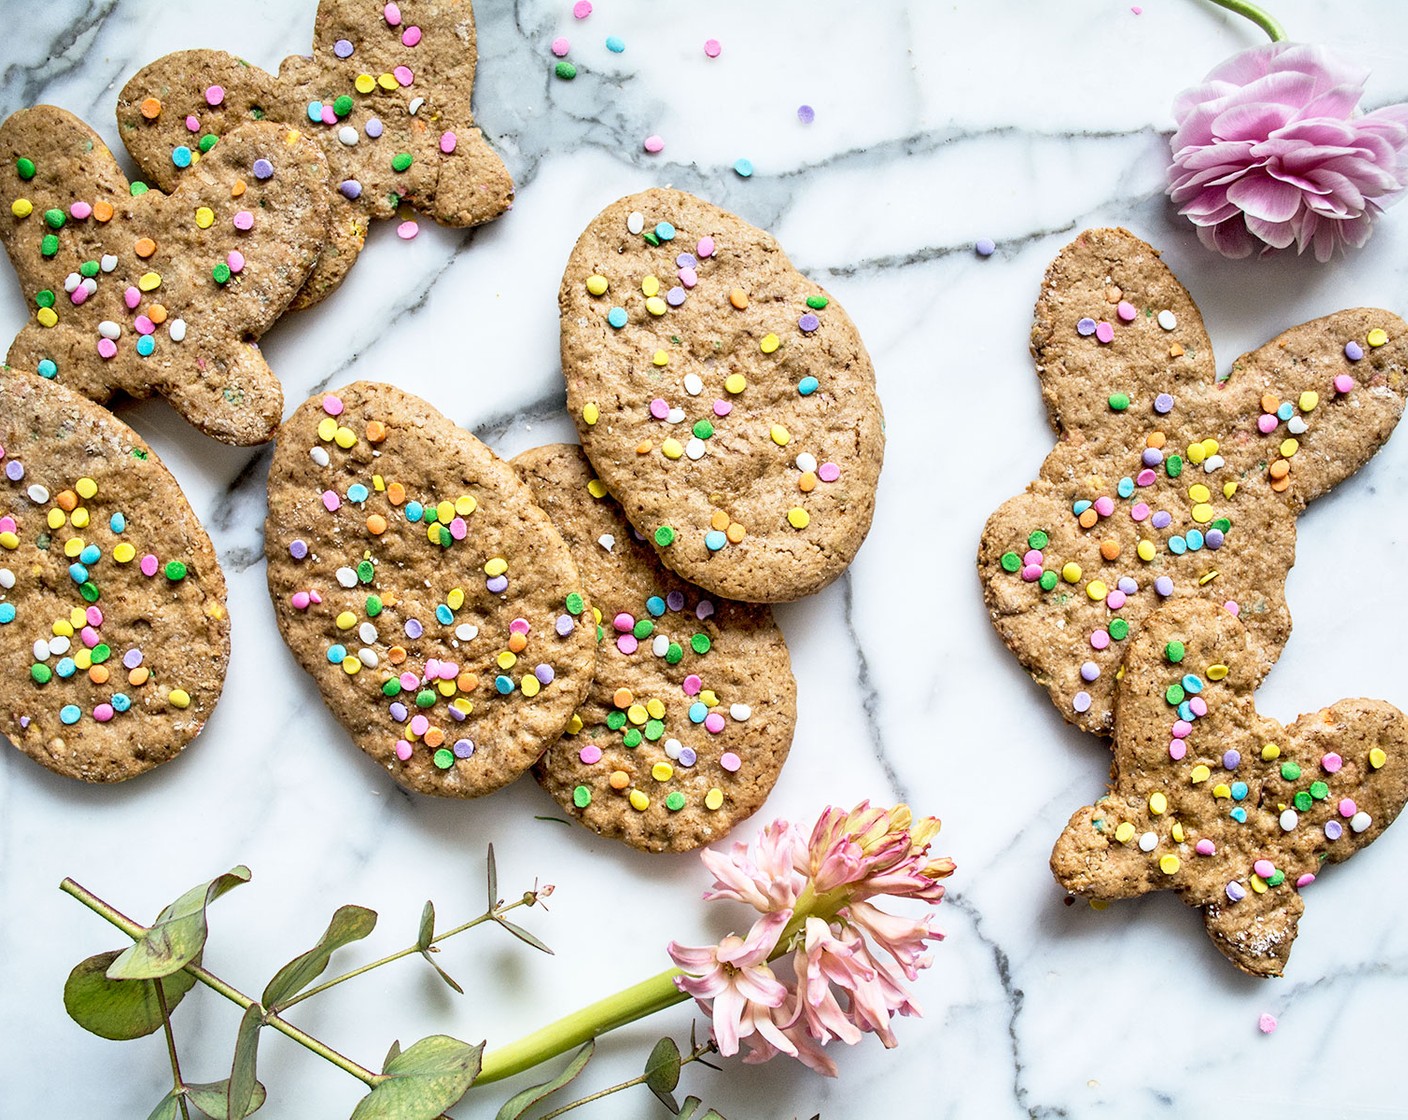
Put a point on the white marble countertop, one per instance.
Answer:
(936, 124)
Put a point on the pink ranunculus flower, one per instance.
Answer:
(1271, 151)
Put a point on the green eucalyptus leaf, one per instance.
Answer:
(662, 1072)
(168, 1109)
(427, 927)
(691, 1106)
(493, 879)
(423, 1080)
(520, 1103)
(177, 935)
(445, 976)
(239, 1090)
(391, 1053)
(349, 924)
(524, 936)
(119, 1009)
(213, 1098)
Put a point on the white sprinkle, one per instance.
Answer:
(7, 578)
(367, 632)
(696, 448)
(38, 494)
(320, 456)
(1360, 821)
(1148, 842)
(368, 658)
(607, 541)
(660, 645)
(740, 712)
(1297, 426)
(59, 645)
(693, 384)
(672, 748)
(1289, 819)
(348, 135)
(466, 631)
(414, 107)
(71, 281)
(635, 222)
(89, 285)
(41, 650)
(1212, 463)
(806, 462)
(108, 329)
(108, 262)
(347, 577)
(1167, 319)
(177, 330)
(676, 416)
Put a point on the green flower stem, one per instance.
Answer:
(1258, 16)
(136, 931)
(171, 1050)
(635, 1002)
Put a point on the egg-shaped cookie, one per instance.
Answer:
(691, 713)
(419, 584)
(114, 636)
(726, 400)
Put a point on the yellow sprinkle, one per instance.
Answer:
(530, 685)
(1096, 589)
(1125, 833)
(636, 714)
(1202, 513)
(179, 698)
(1198, 492)
(1228, 489)
(1146, 550)
(1196, 454)
(590, 413)
(656, 306)
(496, 566)
(779, 435)
(1377, 337)
(72, 547)
(596, 615)
(1270, 752)
(1158, 803)
(79, 518)
(1200, 774)
(387, 82)
(714, 799)
(1071, 572)
(507, 659)
(1217, 672)
(56, 518)
(662, 771)
(1207, 577)
(205, 217)
(1308, 400)
(798, 518)
(344, 437)
(1177, 832)
(1289, 447)
(86, 488)
(378, 484)
(735, 383)
(9, 540)
(346, 620)
(639, 802)
(1170, 864)
(77, 617)
(655, 708)
(1258, 884)
(47, 316)
(446, 688)
(455, 599)
(770, 343)
(1210, 447)
(597, 284)
(466, 504)
(364, 83)
(1099, 904)
(596, 488)
(575, 724)
(1377, 758)
(650, 286)
(351, 666)
(465, 707)
(21, 208)
(83, 659)
(327, 428)
(708, 699)
(660, 358)
(444, 512)
(123, 553)
(432, 532)
(62, 628)
(671, 448)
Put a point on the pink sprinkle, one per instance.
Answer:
(828, 472)
(1182, 729)
(1332, 763)
(712, 48)
(1266, 423)
(448, 140)
(1033, 556)
(582, 9)
(235, 259)
(192, 124)
(705, 248)
(409, 681)
(519, 626)
(132, 297)
(94, 616)
(1205, 847)
(1177, 748)
(7, 525)
(1265, 868)
(419, 724)
(331, 502)
(590, 754)
(1115, 599)
(654, 144)
(1343, 383)
(1139, 511)
(432, 669)
(1199, 706)
(300, 600)
(103, 712)
(392, 14)
(150, 564)
(627, 644)
(80, 210)
(244, 220)
(692, 685)
(329, 115)
(107, 348)
(407, 230)
(659, 408)
(89, 637)
(214, 95)
(403, 749)
(411, 36)
(730, 762)
(560, 47)
(1232, 608)
(722, 408)
(1305, 880)
(713, 723)
(143, 325)
(1125, 310)
(688, 277)
(403, 75)
(1031, 573)
(1137, 10)
(623, 622)
(1348, 808)
(1104, 505)
(315, 597)
(78, 295)
(1104, 332)
(1146, 477)
(449, 670)
(458, 529)
(333, 405)
(1100, 639)
(1266, 1023)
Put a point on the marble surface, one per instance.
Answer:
(936, 124)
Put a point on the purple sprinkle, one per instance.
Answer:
(686, 260)
(1235, 891)
(24, 721)
(1353, 351)
(1089, 671)
(1085, 327)
(985, 246)
(687, 756)
(496, 584)
(1163, 403)
(263, 169)
(808, 323)
(1151, 457)
(545, 674)
(463, 748)
(398, 711)
(342, 48)
(704, 610)
(1333, 830)
(1081, 701)
(675, 296)
(14, 470)
(806, 114)
(298, 549)
(1231, 759)
(1162, 520)
(1164, 586)
(1128, 584)
(350, 188)
(131, 659)
(1214, 539)
(675, 600)
(373, 128)
(456, 715)
(565, 625)
(413, 628)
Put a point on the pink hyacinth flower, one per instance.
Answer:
(760, 873)
(734, 976)
(1271, 151)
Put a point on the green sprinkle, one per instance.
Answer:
(615, 720)
(675, 801)
(631, 738)
(1303, 801)
(373, 605)
(443, 758)
(581, 797)
(88, 269)
(89, 591)
(41, 674)
(1174, 694)
(1290, 771)
(1222, 523)
(816, 303)
(654, 728)
(1173, 466)
(700, 643)
(208, 141)
(703, 429)
(1038, 539)
(391, 687)
(25, 167)
(1047, 582)
(1319, 791)
(650, 238)
(101, 652)
(401, 161)
(565, 70)
(1119, 401)
(575, 603)
(49, 246)
(221, 273)
(175, 571)
(1119, 629)
(44, 298)
(1011, 562)
(675, 654)
(446, 540)
(664, 536)
(366, 572)
(643, 629)
(1174, 652)
(342, 105)
(1277, 878)
(425, 698)
(138, 188)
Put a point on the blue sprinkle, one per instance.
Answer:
(91, 554)
(1239, 791)
(337, 654)
(1186, 713)
(655, 605)
(1177, 545)
(181, 156)
(70, 713)
(714, 540)
(1239, 815)
(615, 44)
(665, 231)
(444, 615)
(1195, 540)
(357, 492)
(120, 701)
(744, 168)
(807, 386)
(315, 112)
(66, 667)
(698, 711)
(1080, 507)
(146, 344)
(117, 523)
(616, 317)
(7, 613)
(48, 369)
(78, 573)
(1193, 684)
(504, 685)
(413, 511)
(1126, 488)
(1286, 411)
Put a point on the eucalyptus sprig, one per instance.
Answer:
(130, 993)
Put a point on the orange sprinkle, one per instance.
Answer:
(622, 697)
(1269, 402)
(736, 532)
(620, 779)
(739, 298)
(1156, 439)
(139, 676)
(376, 431)
(98, 674)
(157, 314)
(1280, 485)
(1280, 469)
(1175, 351)
(434, 737)
(467, 682)
(151, 108)
(237, 189)
(719, 520)
(396, 654)
(807, 483)
(1110, 550)
(102, 211)
(395, 493)
(67, 501)
(145, 247)
(1089, 518)
(376, 524)
(517, 643)
(643, 447)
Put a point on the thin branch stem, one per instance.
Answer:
(697, 1053)
(171, 1050)
(1258, 16)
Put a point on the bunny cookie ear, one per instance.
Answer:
(144, 293)
(1114, 329)
(1314, 404)
(1234, 812)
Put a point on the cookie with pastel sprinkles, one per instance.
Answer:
(385, 94)
(1170, 480)
(1236, 813)
(691, 713)
(419, 584)
(142, 293)
(114, 636)
(727, 401)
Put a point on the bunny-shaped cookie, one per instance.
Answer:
(1232, 810)
(135, 291)
(1170, 480)
(385, 93)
